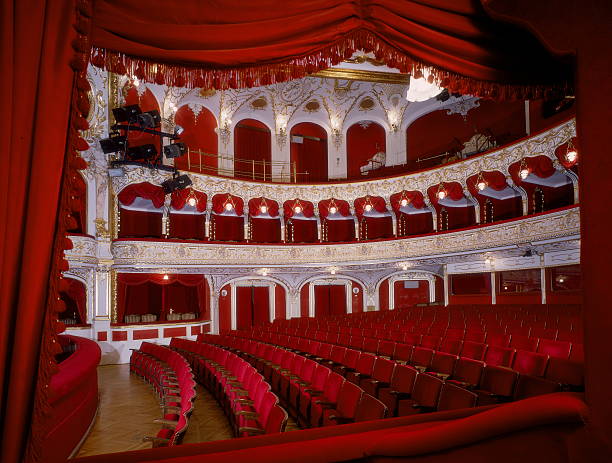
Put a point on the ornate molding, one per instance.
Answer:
(84, 250)
(544, 227)
(500, 159)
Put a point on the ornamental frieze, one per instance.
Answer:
(558, 224)
(500, 160)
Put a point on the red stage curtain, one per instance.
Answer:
(187, 226)
(140, 224)
(362, 143)
(140, 293)
(252, 143)
(561, 153)
(41, 108)
(75, 298)
(310, 155)
(408, 297)
(78, 204)
(266, 44)
(198, 134)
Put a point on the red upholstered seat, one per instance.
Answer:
(402, 383)
(363, 368)
(307, 393)
(529, 386)
(421, 357)
(454, 397)
(497, 384)
(370, 408)
(499, 356)
(519, 342)
(498, 339)
(568, 373)
(558, 349)
(370, 345)
(328, 398)
(432, 342)
(475, 336)
(424, 396)
(443, 363)
(386, 348)
(381, 376)
(413, 339)
(473, 350)
(530, 363)
(451, 346)
(467, 372)
(403, 352)
(577, 353)
(344, 409)
(349, 362)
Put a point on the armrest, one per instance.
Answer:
(247, 414)
(169, 408)
(244, 401)
(250, 430)
(341, 419)
(324, 403)
(400, 395)
(169, 423)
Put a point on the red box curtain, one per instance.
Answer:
(75, 298)
(141, 293)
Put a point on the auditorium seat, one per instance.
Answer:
(577, 353)
(424, 397)
(530, 363)
(567, 373)
(363, 368)
(529, 386)
(453, 397)
(443, 364)
(386, 348)
(328, 398)
(421, 358)
(475, 336)
(519, 342)
(431, 342)
(496, 385)
(381, 376)
(403, 352)
(402, 383)
(467, 372)
(344, 408)
(349, 362)
(499, 356)
(558, 349)
(370, 345)
(451, 345)
(370, 408)
(498, 339)
(473, 350)
(308, 392)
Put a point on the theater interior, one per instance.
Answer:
(320, 231)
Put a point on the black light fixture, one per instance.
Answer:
(126, 113)
(175, 150)
(148, 120)
(113, 144)
(178, 182)
(178, 130)
(143, 152)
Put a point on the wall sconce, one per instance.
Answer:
(441, 194)
(571, 154)
(523, 169)
(480, 182)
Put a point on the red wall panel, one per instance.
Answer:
(102, 335)
(470, 288)
(252, 142)
(145, 334)
(280, 303)
(175, 331)
(119, 335)
(383, 295)
(198, 134)
(518, 287)
(356, 298)
(304, 303)
(407, 297)
(310, 155)
(225, 309)
(195, 330)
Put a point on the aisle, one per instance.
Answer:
(128, 406)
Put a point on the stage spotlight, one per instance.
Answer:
(143, 152)
(174, 150)
(178, 130)
(148, 120)
(177, 183)
(126, 113)
(443, 96)
(113, 144)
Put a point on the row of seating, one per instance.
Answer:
(329, 399)
(538, 373)
(312, 386)
(244, 395)
(170, 374)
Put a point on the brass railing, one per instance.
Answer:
(280, 171)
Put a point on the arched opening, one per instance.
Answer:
(363, 141)
(329, 299)
(308, 153)
(141, 211)
(253, 304)
(75, 299)
(198, 135)
(252, 150)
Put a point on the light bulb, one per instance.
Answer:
(404, 202)
(263, 209)
(333, 272)
(488, 261)
(571, 155)
(441, 194)
(482, 185)
(404, 267)
(333, 210)
(192, 202)
(229, 207)
(136, 82)
(166, 277)
(297, 209)
(524, 173)
(368, 207)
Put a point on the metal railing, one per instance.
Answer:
(280, 171)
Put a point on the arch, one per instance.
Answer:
(363, 140)
(310, 154)
(410, 275)
(252, 150)
(349, 281)
(199, 133)
(147, 102)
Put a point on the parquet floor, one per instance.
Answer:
(128, 406)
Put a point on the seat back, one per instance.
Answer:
(386, 348)
(529, 386)
(520, 342)
(403, 352)
(558, 349)
(332, 386)
(370, 345)
(403, 378)
(564, 371)
(383, 370)
(530, 363)
(498, 380)
(468, 371)
(499, 356)
(453, 397)
(444, 363)
(430, 341)
(421, 356)
(277, 420)
(351, 357)
(475, 336)
(451, 346)
(365, 364)
(473, 350)
(427, 390)
(348, 398)
(370, 408)
(337, 354)
(324, 350)
(498, 339)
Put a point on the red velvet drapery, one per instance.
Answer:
(142, 190)
(43, 104)
(264, 227)
(413, 197)
(252, 306)
(540, 166)
(370, 227)
(330, 300)
(180, 197)
(187, 225)
(411, 224)
(141, 293)
(299, 229)
(252, 150)
(242, 44)
(226, 226)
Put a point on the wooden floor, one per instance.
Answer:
(128, 406)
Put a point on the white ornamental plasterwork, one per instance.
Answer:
(501, 159)
(550, 226)
(85, 274)
(84, 250)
